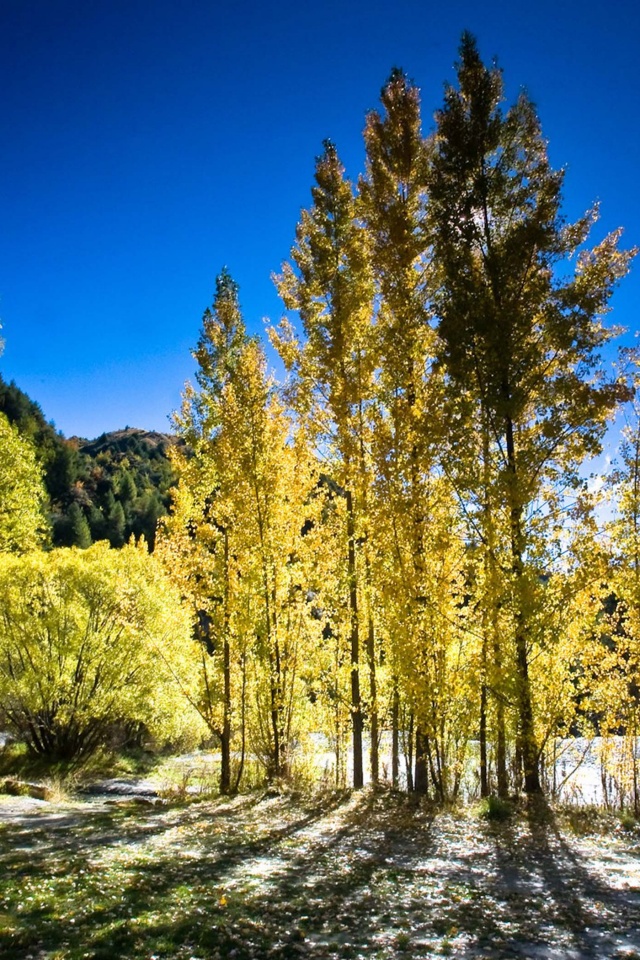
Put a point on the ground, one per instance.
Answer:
(325, 876)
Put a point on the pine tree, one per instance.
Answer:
(116, 525)
(79, 532)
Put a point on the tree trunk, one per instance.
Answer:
(529, 750)
(373, 708)
(634, 758)
(395, 735)
(421, 777)
(492, 630)
(501, 752)
(484, 773)
(356, 701)
(408, 754)
(528, 746)
(225, 734)
(243, 725)
(276, 756)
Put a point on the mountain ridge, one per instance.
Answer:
(112, 487)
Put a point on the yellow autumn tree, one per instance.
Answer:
(329, 284)
(22, 493)
(520, 331)
(91, 640)
(617, 661)
(236, 541)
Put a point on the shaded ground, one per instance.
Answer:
(330, 877)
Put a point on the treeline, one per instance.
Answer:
(401, 545)
(111, 488)
(394, 564)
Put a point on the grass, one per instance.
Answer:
(495, 808)
(326, 875)
(17, 761)
(592, 821)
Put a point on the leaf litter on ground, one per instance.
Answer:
(330, 875)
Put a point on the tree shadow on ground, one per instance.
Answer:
(334, 876)
(166, 867)
(560, 895)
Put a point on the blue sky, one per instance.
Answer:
(148, 143)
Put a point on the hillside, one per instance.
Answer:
(103, 489)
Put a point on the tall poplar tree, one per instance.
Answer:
(329, 283)
(393, 204)
(194, 541)
(236, 540)
(520, 326)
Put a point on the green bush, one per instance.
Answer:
(494, 808)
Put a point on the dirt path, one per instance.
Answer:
(338, 876)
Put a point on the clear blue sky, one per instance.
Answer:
(147, 143)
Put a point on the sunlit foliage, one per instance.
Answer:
(89, 641)
(22, 496)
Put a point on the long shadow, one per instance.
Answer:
(567, 872)
(175, 889)
(329, 896)
(336, 876)
(88, 829)
(566, 901)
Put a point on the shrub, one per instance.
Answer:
(494, 808)
(88, 640)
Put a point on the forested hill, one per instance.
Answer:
(102, 489)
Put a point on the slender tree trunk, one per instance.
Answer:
(338, 754)
(275, 666)
(356, 701)
(374, 751)
(484, 772)
(395, 734)
(421, 777)
(243, 725)
(501, 724)
(408, 754)
(491, 630)
(373, 707)
(501, 751)
(225, 733)
(518, 767)
(436, 769)
(634, 758)
(340, 733)
(275, 719)
(529, 751)
(528, 746)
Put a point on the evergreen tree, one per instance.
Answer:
(116, 525)
(79, 532)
